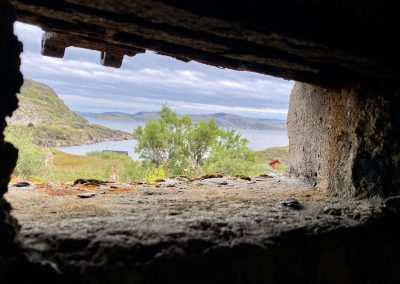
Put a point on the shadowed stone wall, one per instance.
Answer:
(346, 140)
(10, 82)
(301, 40)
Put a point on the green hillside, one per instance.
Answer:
(51, 123)
(280, 153)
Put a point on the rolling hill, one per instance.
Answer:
(222, 119)
(51, 123)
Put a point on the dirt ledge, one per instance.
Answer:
(219, 230)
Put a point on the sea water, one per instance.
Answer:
(258, 139)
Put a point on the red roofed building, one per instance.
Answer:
(274, 163)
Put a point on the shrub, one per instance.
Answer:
(31, 158)
(233, 166)
(154, 174)
(282, 168)
(182, 147)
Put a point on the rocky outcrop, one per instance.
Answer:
(346, 140)
(44, 116)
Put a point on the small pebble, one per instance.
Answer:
(291, 203)
(86, 195)
(22, 184)
(332, 211)
(257, 220)
(356, 216)
(393, 202)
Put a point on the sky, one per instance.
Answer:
(147, 81)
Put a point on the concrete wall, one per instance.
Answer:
(10, 82)
(344, 140)
(347, 140)
(307, 42)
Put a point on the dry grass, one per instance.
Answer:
(67, 167)
(280, 153)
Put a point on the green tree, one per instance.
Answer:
(182, 147)
(230, 155)
(231, 144)
(200, 139)
(161, 140)
(152, 142)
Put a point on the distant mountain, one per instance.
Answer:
(222, 119)
(139, 116)
(43, 114)
(241, 122)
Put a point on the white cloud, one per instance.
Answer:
(151, 79)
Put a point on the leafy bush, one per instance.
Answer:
(154, 174)
(231, 156)
(162, 140)
(31, 158)
(183, 147)
(133, 171)
(233, 166)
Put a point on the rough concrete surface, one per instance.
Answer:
(10, 82)
(225, 233)
(346, 140)
(162, 233)
(301, 40)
